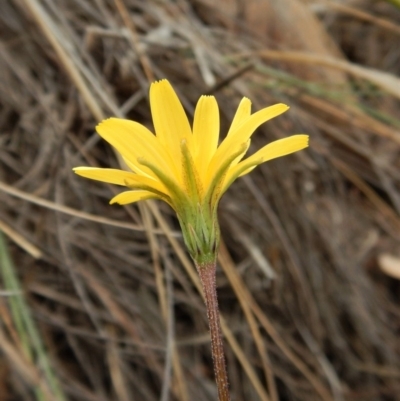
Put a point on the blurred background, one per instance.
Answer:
(101, 302)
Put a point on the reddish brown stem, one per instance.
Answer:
(207, 274)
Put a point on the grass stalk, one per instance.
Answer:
(32, 344)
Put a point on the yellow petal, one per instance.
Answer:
(237, 148)
(243, 112)
(205, 133)
(169, 118)
(110, 175)
(133, 140)
(244, 132)
(119, 177)
(132, 196)
(273, 150)
(134, 167)
(281, 147)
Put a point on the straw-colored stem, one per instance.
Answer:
(207, 274)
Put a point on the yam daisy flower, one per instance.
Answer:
(183, 165)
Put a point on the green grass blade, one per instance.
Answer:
(31, 341)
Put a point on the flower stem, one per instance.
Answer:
(207, 274)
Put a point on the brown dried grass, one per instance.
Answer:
(307, 313)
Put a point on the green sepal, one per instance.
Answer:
(199, 220)
(178, 197)
(158, 194)
(240, 171)
(202, 239)
(190, 174)
(214, 192)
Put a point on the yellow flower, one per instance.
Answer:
(184, 165)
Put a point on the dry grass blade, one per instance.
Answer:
(246, 299)
(67, 210)
(34, 251)
(362, 15)
(54, 36)
(385, 81)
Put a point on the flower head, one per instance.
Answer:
(183, 165)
